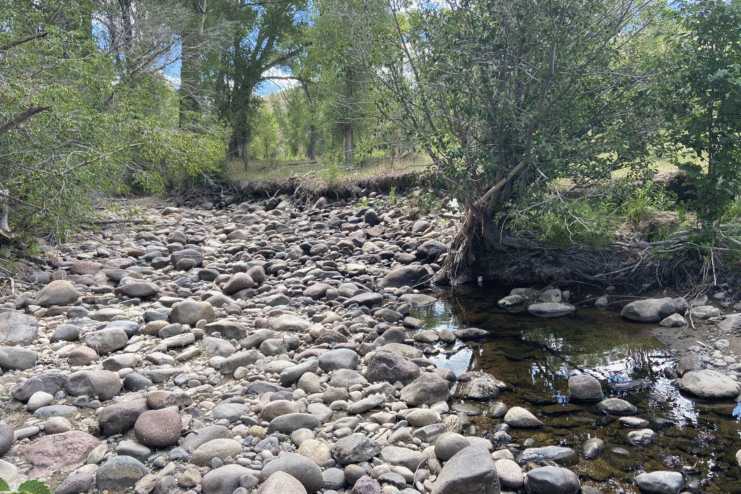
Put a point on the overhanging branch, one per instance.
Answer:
(19, 119)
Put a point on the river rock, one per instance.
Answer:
(641, 437)
(470, 334)
(7, 437)
(480, 386)
(55, 452)
(13, 358)
(299, 467)
(355, 448)
(510, 474)
(709, 384)
(238, 282)
(231, 330)
(288, 322)
(390, 367)
(106, 340)
(286, 424)
(449, 444)
(138, 289)
(519, 417)
(660, 482)
(17, 328)
(119, 473)
(548, 310)
(552, 480)
(281, 483)
(547, 453)
(191, 311)
(472, 469)
(58, 292)
(593, 447)
(417, 299)
(49, 382)
(395, 455)
(216, 448)
(616, 406)
(120, 417)
(342, 358)
(412, 275)
(654, 310)
(427, 389)
(205, 434)
(585, 388)
(226, 479)
(100, 383)
(158, 428)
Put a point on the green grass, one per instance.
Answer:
(325, 171)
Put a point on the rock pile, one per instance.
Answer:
(262, 347)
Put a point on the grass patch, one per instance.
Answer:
(325, 172)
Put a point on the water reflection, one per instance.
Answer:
(536, 357)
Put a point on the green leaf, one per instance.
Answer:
(4, 487)
(34, 487)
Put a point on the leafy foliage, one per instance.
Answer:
(27, 487)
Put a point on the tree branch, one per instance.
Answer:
(21, 41)
(19, 119)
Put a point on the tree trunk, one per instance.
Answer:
(190, 57)
(347, 124)
(312, 142)
(349, 144)
(128, 32)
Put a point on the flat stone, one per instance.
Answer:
(14, 358)
(355, 448)
(709, 384)
(427, 389)
(553, 480)
(100, 383)
(288, 423)
(616, 406)
(661, 482)
(547, 453)
(55, 452)
(216, 448)
(549, 310)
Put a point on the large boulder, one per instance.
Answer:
(480, 386)
(709, 384)
(654, 309)
(472, 469)
(585, 388)
(412, 275)
(661, 482)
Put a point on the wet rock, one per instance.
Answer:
(417, 299)
(550, 480)
(660, 482)
(119, 473)
(511, 301)
(585, 388)
(471, 470)
(654, 310)
(709, 384)
(431, 250)
(412, 275)
(480, 386)
(470, 334)
(616, 406)
(593, 447)
(673, 321)
(641, 437)
(548, 310)
(519, 417)
(547, 453)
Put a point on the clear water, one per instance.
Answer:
(536, 357)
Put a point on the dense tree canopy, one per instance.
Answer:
(503, 95)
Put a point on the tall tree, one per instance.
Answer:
(264, 38)
(504, 92)
(701, 93)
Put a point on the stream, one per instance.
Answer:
(536, 357)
